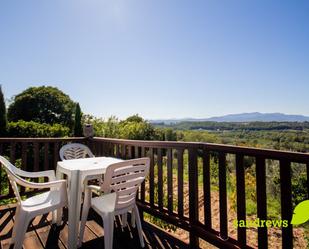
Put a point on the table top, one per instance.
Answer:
(88, 164)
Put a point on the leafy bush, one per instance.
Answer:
(34, 129)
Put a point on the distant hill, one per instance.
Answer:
(242, 117)
(257, 116)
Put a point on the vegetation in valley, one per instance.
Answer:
(234, 126)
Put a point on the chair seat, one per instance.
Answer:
(42, 201)
(104, 204)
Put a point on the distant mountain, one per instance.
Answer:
(242, 117)
(257, 116)
(176, 121)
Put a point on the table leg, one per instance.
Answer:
(74, 210)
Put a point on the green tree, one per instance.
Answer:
(3, 119)
(44, 104)
(136, 128)
(78, 129)
(135, 118)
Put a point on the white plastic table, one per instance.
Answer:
(77, 170)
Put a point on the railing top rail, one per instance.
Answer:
(232, 149)
(40, 139)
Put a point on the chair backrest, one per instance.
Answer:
(124, 178)
(13, 175)
(74, 151)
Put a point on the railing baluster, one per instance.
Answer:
(223, 196)
(261, 200)
(160, 179)
(307, 180)
(111, 151)
(206, 189)
(13, 152)
(286, 203)
(117, 150)
(143, 153)
(101, 153)
(151, 177)
(123, 152)
(12, 159)
(180, 181)
(130, 153)
(106, 149)
(46, 156)
(56, 154)
(103, 148)
(193, 196)
(91, 144)
(98, 149)
(136, 154)
(170, 181)
(24, 165)
(241, 198)
(36, 152)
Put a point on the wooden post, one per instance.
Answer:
(193, 196)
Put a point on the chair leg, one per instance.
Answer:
(86, 207)
(17, 220)
(59, 216)
(124, 219)
(108, 223)
(139, 226)
(54, 216)
(21, 231)
(133, 223)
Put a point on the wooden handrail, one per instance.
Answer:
(232, 149)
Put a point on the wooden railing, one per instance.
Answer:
(168, 159)
(180, 177)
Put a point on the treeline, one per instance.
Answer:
(235, 126)
(46, 111)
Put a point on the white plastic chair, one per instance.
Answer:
(120, 185)
(74, 151)
(77, 151)
(36, 205)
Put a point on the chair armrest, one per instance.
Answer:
(47, 173)
(34, 185)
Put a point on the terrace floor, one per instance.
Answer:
(41, 234)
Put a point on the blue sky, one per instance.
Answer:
(160, 58)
